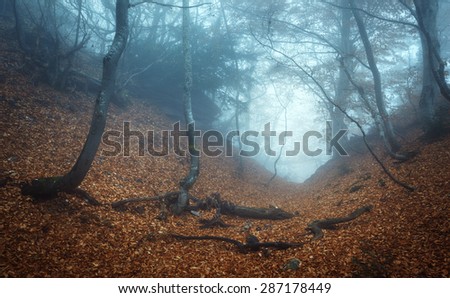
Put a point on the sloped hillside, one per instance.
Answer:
(42, 131)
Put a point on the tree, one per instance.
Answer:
(347, 65)
(384, 121)
(49, 187)
(238, 80)
(44, 34)
(433, 75)
(194, 167)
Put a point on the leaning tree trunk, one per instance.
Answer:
(69, 182)
(388, 131)
(194, 168)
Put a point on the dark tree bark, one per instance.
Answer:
(70, 181)
(387, 131)
(194, 168)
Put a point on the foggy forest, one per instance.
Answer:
(225, 138)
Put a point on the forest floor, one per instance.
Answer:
(407, 234)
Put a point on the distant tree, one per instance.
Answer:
(49, 187)
(346, 68)
(153, 64)
(236, 86)
(433, 69)
(51, 34)
(387, 129)
(6, 8)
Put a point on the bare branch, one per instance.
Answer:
(373, 15)
(330, 100)
(320, 38)
(167, 5)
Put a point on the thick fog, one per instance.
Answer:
(275, 70)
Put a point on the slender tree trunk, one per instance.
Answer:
(63, 76)
(388, 131)
(194, 168)
(70, 181)
(20, 34)
(156, 18)
(237, 110)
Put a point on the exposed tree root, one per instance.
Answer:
(214, 201)
(228, 208)
(85, 196)
(46, 189)
(316, 226)
(41, 189)
(243, 247)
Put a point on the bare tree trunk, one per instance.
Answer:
(388, 131)
(67, 183)
(237, 110)
(427, 14)
(19, 23)
(64, 74)
(194, 168)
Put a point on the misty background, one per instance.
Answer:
(254, 62)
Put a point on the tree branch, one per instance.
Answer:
(328, 98)
(373, 15)
(167, 5)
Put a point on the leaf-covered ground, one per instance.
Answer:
(407, 234)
